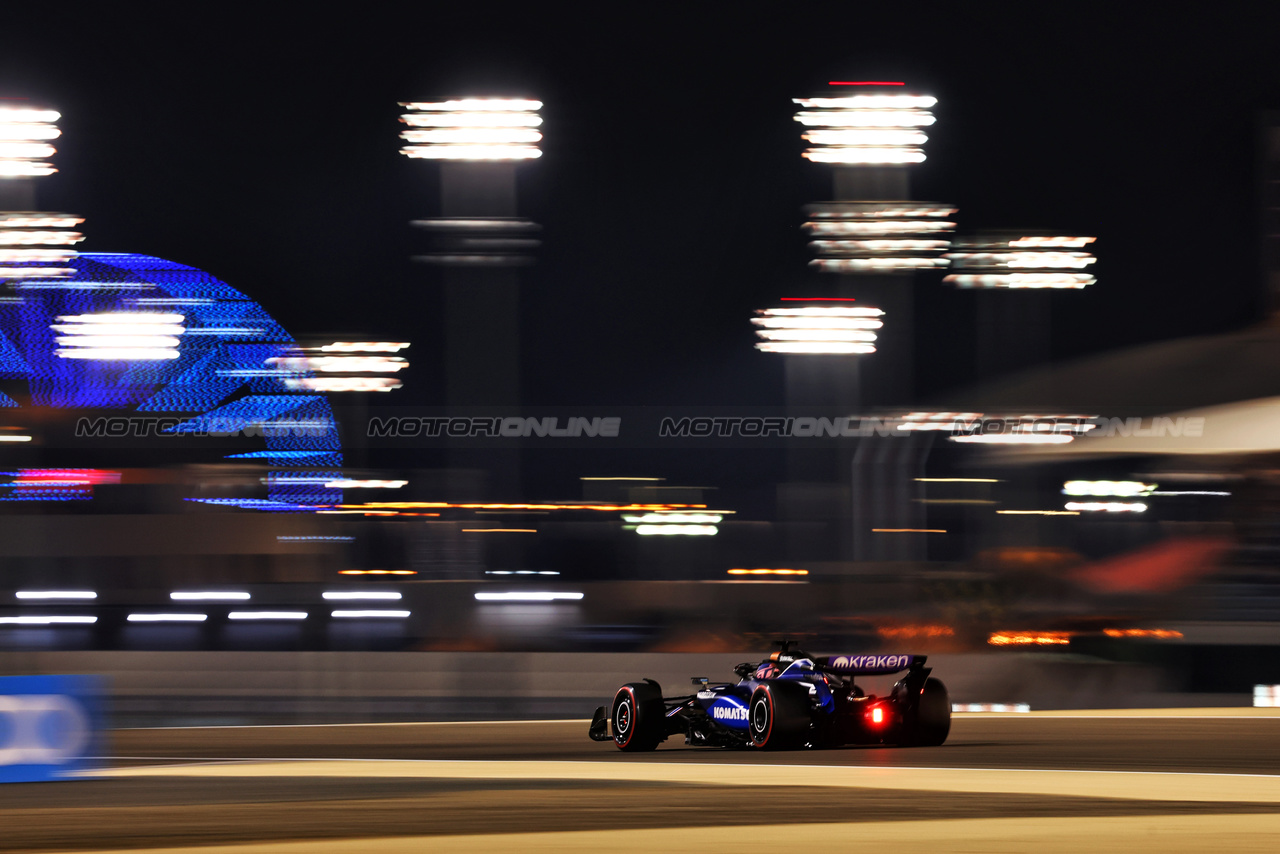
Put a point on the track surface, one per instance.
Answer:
(1236, 745)
(217, 786)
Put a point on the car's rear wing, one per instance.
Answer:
(869, 665)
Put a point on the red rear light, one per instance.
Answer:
(877, 715)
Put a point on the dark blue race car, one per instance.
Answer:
(790, 700)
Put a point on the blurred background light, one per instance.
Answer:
(822, 329)
(208, 596)
(530, 596)
(473, 129)
(56, 594)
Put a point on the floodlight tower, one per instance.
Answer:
(1014, 329)
(479, 241)
(872, 239)
(33, 244)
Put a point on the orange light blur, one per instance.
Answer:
(1030, 639)
(768, 572)
(499, 530)
(1142, 633)
(908, 530)
(377, 572)
(924, 631)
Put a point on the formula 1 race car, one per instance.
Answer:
(790, 700)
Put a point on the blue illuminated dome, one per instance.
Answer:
(143, 334)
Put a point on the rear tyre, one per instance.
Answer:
(779, 715)
(638, 718)
(930, 722)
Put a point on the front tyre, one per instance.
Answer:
(638, 718)
(779, 715)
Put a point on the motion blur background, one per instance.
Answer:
(1065, 487)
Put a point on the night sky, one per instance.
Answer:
(262, 147)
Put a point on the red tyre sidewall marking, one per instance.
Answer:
(631, 730)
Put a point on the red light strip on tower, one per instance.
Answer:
(864, 83)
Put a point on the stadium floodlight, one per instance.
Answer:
(1118, 488)
(343, 366)
(24, 142)
(879, 237)
(119, 336)
(209, 596)
(1021, 262)
(866, 130)
(384, 595)
(267, 615)
(473, 129)
(819, 329)
(167, 618)
(56, 594)
(1106, 506)
(49, 620)
(528, 596)
(35, 245)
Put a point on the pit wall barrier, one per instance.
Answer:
(185, 688)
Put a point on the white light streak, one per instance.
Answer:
(831, 348)
(167, 618)
(676, 530)
(1119, 488)
(474, 152)
(824, 334)
(867, 118)
(873, 228)
(658, 518)
(374, 614)
(855, 265)
(1014, 439)
(38, 220)
(521, 596)
(361, 594)
(209, 596)
(1021, 280)
(22, 237)
(26, 150)
(365, 484)
(338, 384)
(868, 102)
(267, 615)
(474, 136)
(865, 155)
(1052, 242)
(867, 137)
(477, 104)
(51, 620)
(1107, 506)
(364, 347)
(132, 336)
(56, 594)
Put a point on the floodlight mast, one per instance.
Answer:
(870, 239)
(480, 241)
(33, 244)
